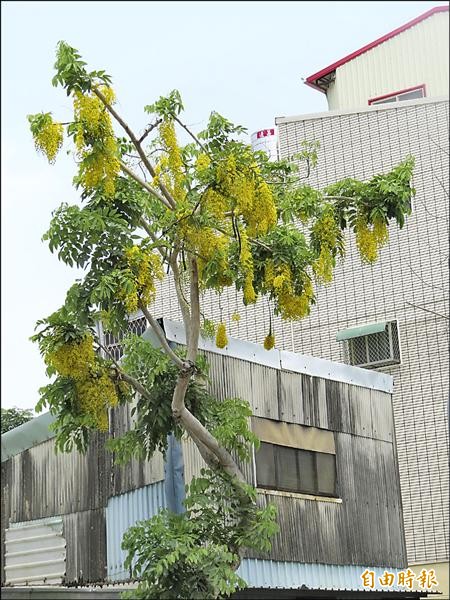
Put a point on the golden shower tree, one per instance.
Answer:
(216, 215)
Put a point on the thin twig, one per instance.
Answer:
(149, 129)
(193, 136)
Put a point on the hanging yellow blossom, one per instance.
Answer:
(95, 390)
(380, 231)
(246, 262)
(174, 160)
(366, 241)
(48, 137)
(202, 163)
(269, 341)
(280, 281)
(236, 317)
(327, 232)
(95, 140)
(146, 268)
(221, 336)
(74, 359)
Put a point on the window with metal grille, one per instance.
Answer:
(295, 470)
(375, 349)
(113, 343)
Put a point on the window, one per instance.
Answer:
(113, 343)
(295, 470)
(373, 345)
(408, 94)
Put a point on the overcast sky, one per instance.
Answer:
(245, 60)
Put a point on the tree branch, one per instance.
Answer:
(128, 378)
(151, 190)
(163, 340)
(136, 144)
(184, 306)
(195, 312)
(148, 130)
(193, 136)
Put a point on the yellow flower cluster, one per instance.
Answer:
(95, 390)
(326, 230)
(49, 139)
(370, 239)
(95, 395)
(246, 262)
(215, 202)
(250, 195)
(221, 336)
(175, 163)
(269, 341)
(94, 127)
(236, 317)
(202, 163)
(279, 280)
(146, 267)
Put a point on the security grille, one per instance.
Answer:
(376, 349)
(113, 342)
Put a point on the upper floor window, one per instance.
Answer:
(408, 94)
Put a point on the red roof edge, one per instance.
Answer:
(312, 79)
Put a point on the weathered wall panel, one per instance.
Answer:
(85, 534)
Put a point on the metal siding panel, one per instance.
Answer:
(124, 511)
(418, 55)
(264, 390)
(35, 553)
(290, 397)
(269, 574)
(85, 534)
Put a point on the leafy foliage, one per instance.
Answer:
(201, 544)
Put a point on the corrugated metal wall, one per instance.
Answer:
(39, 483)
(367, 526)
(417, 56)
(35, 553)
(122, 512)
(409, 283)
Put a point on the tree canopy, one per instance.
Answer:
(215, 215)
(13, 417)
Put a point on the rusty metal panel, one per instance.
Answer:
(35, 552)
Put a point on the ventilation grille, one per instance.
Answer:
(376, 349)
(114, 343)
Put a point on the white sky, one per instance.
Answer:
(242, 59)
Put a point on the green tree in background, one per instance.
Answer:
(13, 417)
(216, 215)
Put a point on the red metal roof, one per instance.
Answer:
(312, 79)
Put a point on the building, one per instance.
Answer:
(63, 515)
(410, 62)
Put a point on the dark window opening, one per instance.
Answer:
(294, 470)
